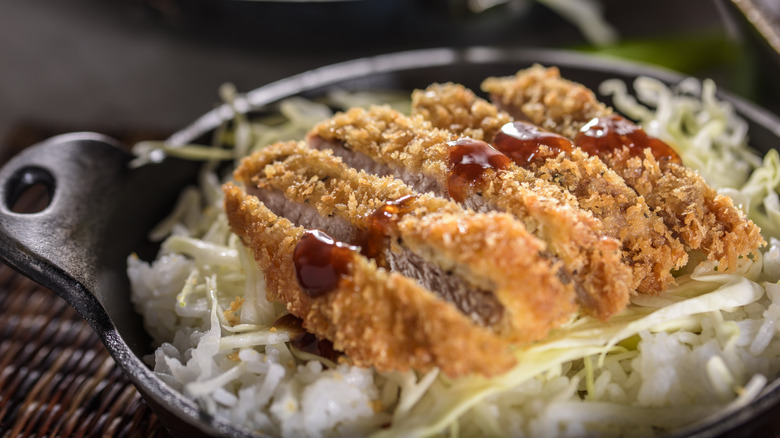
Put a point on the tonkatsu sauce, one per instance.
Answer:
(305, 341)
(522, 142)
(603, 135)
(469, 160)
(379, 223)
(320, 262)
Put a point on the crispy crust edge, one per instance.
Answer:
(377, 318)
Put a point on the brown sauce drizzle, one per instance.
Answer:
(522, 142)
(320, 262)
(602, 135)
(305, 341)
(469, 160)
(379, 224)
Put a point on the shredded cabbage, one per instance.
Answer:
(758, 196)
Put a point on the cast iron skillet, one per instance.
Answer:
(100, 210)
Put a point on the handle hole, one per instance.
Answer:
(30, 190)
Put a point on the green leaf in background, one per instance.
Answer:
(697, 55)
(686, 54)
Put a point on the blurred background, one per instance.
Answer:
(143, 68)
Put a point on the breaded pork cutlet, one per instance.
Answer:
(486, 264)
(385, 142)
(648, 246)
(701, 218)
(378, 318)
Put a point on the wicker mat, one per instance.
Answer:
(56, 377)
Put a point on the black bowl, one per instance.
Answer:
(101, 210)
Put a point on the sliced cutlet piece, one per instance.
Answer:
(376, 317)
(648, 246)
(457, 109)
(486, 264)
(383, 141)
(539, 95)
(701, 218)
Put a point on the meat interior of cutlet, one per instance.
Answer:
(479, 304)
(304, 215)
(418, 181)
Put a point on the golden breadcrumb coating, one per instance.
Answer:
(493, 247)
(455, 108)
(491, 251)
(307, 175)
(411, 144)
(377, 318)
(648, 246)
(541, 96)
(388, 137)
(701, 218)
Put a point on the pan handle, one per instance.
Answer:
(100, 211)
(60, 246)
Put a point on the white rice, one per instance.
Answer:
(707, 346)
